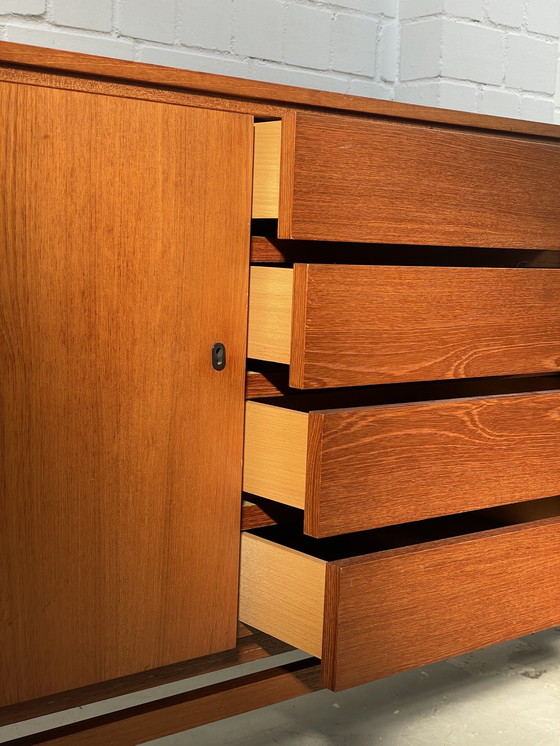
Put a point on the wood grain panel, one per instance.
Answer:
(403, 609)
(270, 314)
(252, 90)
(275, 453)
(266, 169)
(119, 538)
(360, 325)
(364, 180)
(282, 592)
(394, 464)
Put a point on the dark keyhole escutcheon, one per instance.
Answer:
(218, 356)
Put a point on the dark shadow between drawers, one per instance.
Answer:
(392, 393)
(409, 534)
(267, 249)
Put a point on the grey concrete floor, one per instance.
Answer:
(508, 694)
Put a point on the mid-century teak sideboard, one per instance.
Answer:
(278, 369)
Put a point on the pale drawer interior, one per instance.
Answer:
(266, 173)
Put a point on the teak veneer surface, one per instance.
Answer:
(360, 468)
(253, 90)
(363, 325)
(407, 608)
(120, 494)
(357, 179)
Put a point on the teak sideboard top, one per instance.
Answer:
(253, 95)
(129, 194)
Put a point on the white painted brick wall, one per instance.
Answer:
(493, 56)
(338, 45)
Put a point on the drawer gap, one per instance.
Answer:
(393, 393)
(337, 548)
(267, 249)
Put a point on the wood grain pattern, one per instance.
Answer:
(275, 453)
(119, 538)
(266, 169)
(270, 314)
(253, 90)
(385, 465)
(403, 609)
(361, 325)
(282, 592)
(170, 715)
(364, 180)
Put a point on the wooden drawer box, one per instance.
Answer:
(343, 178)
(404, 604)
(345, 325)
(360, 468)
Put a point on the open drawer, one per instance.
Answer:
(389, 600)
(344, 178)
(353, 325)
(357, 468)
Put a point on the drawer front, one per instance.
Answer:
(399, 609)
(341, 325)
(356, 469)
(350, 179)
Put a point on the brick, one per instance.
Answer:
(537, 109)
(83, 14)
(460, 96)
(190, 60)
(426, 94)
(207, 24)
(472, 52)
(23, 7)
(370, 89)
(153, 20)
(531, 64)
(471, 9)
(71, 42)
(420, 8)
(506, 12)
(308, 36)
(387, 52)
(543, 17)
(353, 44)
(273, 73)
(258, 28)
(379, 7)
(500, 102)
(420, 50)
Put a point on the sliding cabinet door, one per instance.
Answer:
(124, 234)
